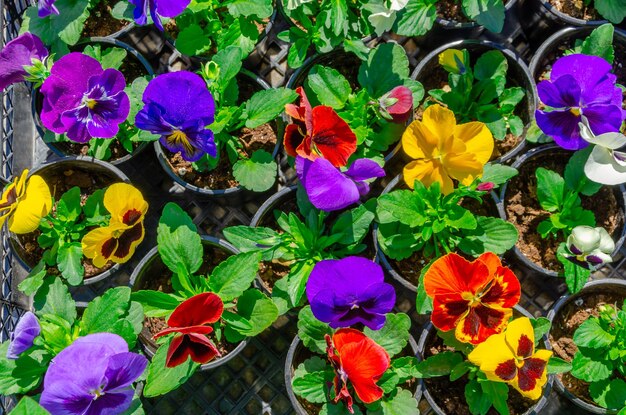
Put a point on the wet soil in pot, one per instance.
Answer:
(162, 281)
(564, 325)
(59, 184)
(577, 9)
(101, 23)
(263, 137)
(450, 396)
(524, 211)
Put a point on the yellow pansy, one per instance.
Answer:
(117, 241)
(453, 60)
(443, 151)
(24, 202)
(510, 357)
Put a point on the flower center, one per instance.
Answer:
(576, 111)
(472, 298)
(97, 393)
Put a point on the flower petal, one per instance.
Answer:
(66, 398)
(32, 206)
(328, 189)
(533, 375)
(504, 290)
(478, 141)
(481, 322)
(123, 369)
(563, 93)
(332, 136)
(562, 126)
(448, 310)
(364, 169)
(520, 337)
(201, 309)
(125, 203)
(440, 121)
(493, 357)
(453, 274)
(601, 167)
(171, 8)
(418, 142)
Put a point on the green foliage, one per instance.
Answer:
(480, 94)
(162, 379)
(598, 43)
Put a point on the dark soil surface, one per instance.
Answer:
(101, 23)
(577, 9)
(564, 326)
(524, 211)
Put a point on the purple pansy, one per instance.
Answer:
(157, 9)
(348, 291)
(93, 375)
(23, 336)
(179, 107)
(331, 189)
(47, 7)
(579, 85)
(83, 100)
(17, 54)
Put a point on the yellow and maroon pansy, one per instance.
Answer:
(24, 202)
(473, 298)
(117, 241)
(511, 357)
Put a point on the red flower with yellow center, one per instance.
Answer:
(318, 132)
(474, 298)
(117, 241)
(511, 357)
(360, 360)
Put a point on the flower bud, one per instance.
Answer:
(397, 104)
(590, 247)
(453, 61)
(583, 239)
(485, 187)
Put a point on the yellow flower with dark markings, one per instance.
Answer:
(24, 202)
(117, 241)
(444, 151)
(453, 60)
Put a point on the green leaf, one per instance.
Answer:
(490, 64)
(498, 174)
(66, 27)
(609, 394)
(28, 406)
(557, 365)
(550, 189)
(247, 239)
(24, 374)
(310, 379)
(123, 10)
(296, 281)
(440, 364)
(387, 67)
(600, 40)
(155, 303)
(330, 86)
(491, 235)
(267, 105)
(34, 280)
(394, 335)
(575, 177)
(590, 369)
(416, 19)
(69, 259)
(234, 275)
(162, 379)
(103, 312)
(246, 8)
(404, 205)
(192, 41)
(56, 299)
(258, 173)
(478, 402)
(575, 276)
(541, 327)
(489, 13)
(110, 58)
(258, 309)
(498, 393)
(312, 331)
(591, 334)
(352, 225)
(401, 403)
(178, 241)
(68, 208)
(94, 207)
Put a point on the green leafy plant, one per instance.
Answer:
(302, 243)
(254, 169)
(480, 93)
(601, 357)
(313, 376)
(247, 311)
(612, 10)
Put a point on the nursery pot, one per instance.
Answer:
(552, 49)
(64, 149)
(296, 346)
(97, 172)
(589, 296)
(380, 255)
(151, 266)
(518, 75)
(100, 26)
(546, 152)
(235, 194)
(430, 331)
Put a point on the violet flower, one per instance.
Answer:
(46, 8)
(157, 9)
(179, 107)
(23, 336)
(349, 291)
(331, 189)
(82, 100)
(93, 375)
(579, 85)
(17, 54)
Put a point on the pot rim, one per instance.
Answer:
(502, 203)
(567, 19)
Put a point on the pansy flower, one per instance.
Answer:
(511, 357)
(579, 85)
(344, 292)
(46, 8)
(23, 336)
(359, 360)
(82, 100)
(117, 241)
(605, 164)
(179, 107)
(473, 298)
(24, 202)
(157, 9)
(397, 104)
(318, 132)
(444, 151)
(454, 61)
(329, 189)
(589, 247)
(93, 375)
(191, 322)
(18, 54)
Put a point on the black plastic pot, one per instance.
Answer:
(430, 331)
(467, 30)
(620, 195)
(380, 255)
(102, 173)
(296, 345)
(605, 286)
(567, 37)
(151, 265)
(60, 149)
(518, 75)
(234, 194)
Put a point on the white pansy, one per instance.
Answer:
(397, 5)
(605, 165)
(294, 4)
(381, 18)
(590, 247)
